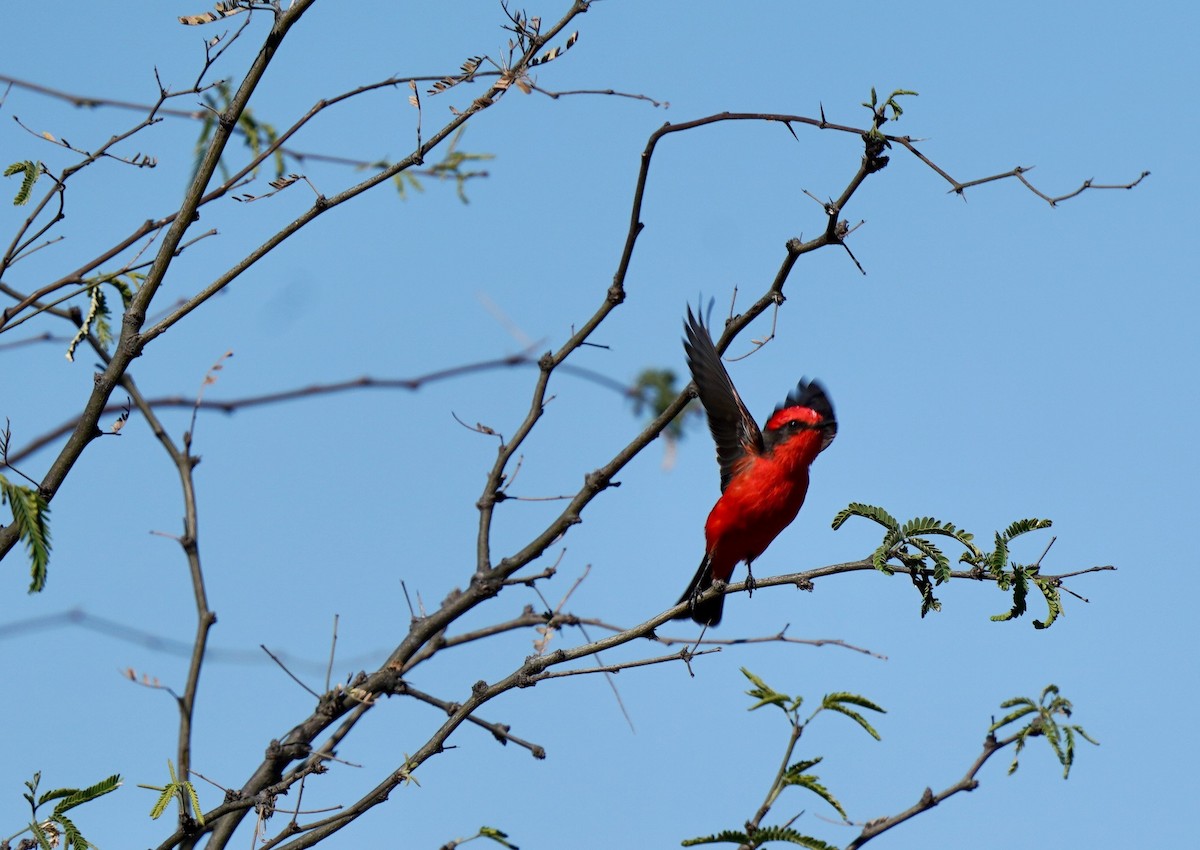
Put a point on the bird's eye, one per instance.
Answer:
(795, 424)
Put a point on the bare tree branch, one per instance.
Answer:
(928, 800)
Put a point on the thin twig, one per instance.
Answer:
(291, 675)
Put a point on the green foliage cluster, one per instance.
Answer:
(257, 134)
(31, 514)
(879, 112)
(97, 320)
(793, 774)
(891, 103)
(56, 829)
(177, 789)
(30, 510)
(909, 544)
(1041, 718)
(653, 391)
(450, 168)
(30, 172)
(1043, 723)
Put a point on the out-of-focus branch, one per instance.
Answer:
(365, 382)
(19, 247)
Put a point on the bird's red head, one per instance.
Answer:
(804, 423)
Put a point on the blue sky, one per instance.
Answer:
(1000, 359)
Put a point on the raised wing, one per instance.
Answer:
(732, 427)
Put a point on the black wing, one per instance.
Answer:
(733, 430)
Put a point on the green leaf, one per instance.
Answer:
(941, 564)
(97, 314)
(764, 693)
(127, 289)
(1012, 768)
(1012, 717)
(853, 699)
(724, 837)
(930, 525)
(197, 812)
(1070, 751)
(920, 525)
(32, 786)
(654, 390)
(43, 839)
(498, 836)
(1053, 602)
(998, 560)
(1020, 587)
(810, 781)
(72, 837)
(31, 513)
(79, 796)
(56, 794)
(1022, 526)
(1064, 755)
(401, 178)
(1044, 723)
(762, 835)
(801, 766)
(894, 105)
(32, 171)
(929, 602)
(786, 834)
(164, 800)
(871, 512)
(855, 716)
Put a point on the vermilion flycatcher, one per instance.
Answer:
(764, 474)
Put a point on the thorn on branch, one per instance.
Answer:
(478, 428)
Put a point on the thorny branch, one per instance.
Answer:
(877, 827)
(134, 336)
(298, 753)
(185, 462)
(131, 341)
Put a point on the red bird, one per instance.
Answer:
(764, 475)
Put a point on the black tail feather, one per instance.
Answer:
(708, 612)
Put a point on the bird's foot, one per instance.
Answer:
(751, 584)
